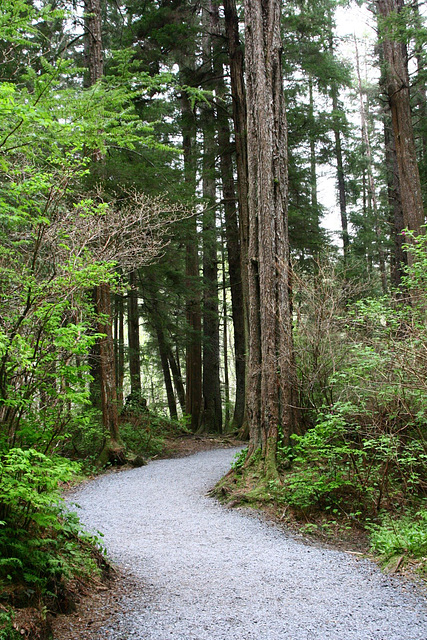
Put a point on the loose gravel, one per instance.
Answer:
(210, 573)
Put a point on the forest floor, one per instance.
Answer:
(102, 605)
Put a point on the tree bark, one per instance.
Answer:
(234, 270)
(113, 449)
(399, 256)
(212, 406)
(371, 182)
(133, 336)
(177, 379)
(238, 94)
(271, 374)
(227, 426)
(233, 238)
(397, 86)
(120, 350)
(342, 197)
(163, 351)
(193, 308)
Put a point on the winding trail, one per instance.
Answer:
(208, 572)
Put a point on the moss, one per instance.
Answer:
(113, 453)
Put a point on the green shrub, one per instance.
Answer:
(41, 544)
(401, 536)
(239, 459)
(144, 432)
(7, 632)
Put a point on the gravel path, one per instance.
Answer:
(210, 573)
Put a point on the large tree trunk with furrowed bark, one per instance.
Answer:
(396, 83)
(271, 371)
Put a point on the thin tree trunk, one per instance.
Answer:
(113, 450)
(177, 379)
(163, 351)
(212, 409)
(313, 176)
(225, 344)
(133, 336)
(193, 310)
(342, 197)
(233, 242)
(336, 127)
(371, 182)
(120, 351)
(238, 93)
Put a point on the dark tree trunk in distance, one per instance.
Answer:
(212, 406)
(193, 309)
(133, 335)
(113, 451)
(234, 262)
(238, 93)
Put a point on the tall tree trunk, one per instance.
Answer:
(177, 379)
(313, 175)
(113, 450)
(212, 409)
(399, 256)
(235, 271)
(225, 342)
(397, 85)
(120, 350)
(336, 127)
(118, 346)
(271, 375)
(193, 310)
(163, 351)
(133, 336)
(238, 94)
(420, 87)
(342, 197)
(233, 243)
(371, 181)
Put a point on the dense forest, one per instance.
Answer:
(165, 268)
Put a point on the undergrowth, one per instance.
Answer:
(42, 545)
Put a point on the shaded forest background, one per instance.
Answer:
(133, 226)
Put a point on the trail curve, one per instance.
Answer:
(211, 573)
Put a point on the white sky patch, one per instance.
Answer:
(352, 21)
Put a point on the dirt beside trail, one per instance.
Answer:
(100, 604)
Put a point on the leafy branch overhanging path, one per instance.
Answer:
(207, 572)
